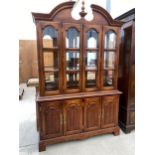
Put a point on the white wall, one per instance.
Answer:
(26, 27)
(119, 7)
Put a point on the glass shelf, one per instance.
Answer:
(91, 68)
(53, 49)
(50, 69)
(108, 68)
(110, 50)
(92, 49)
(73, 68)
(72, 49)
(72, 71)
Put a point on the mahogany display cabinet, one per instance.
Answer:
(126, 79)
(78, 60)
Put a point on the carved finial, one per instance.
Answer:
(83, 13)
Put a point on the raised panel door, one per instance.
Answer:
(92, 113)
(109, 111)
(73, 116)
(52, 116)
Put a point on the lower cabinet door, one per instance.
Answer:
(52, 120)
(109, 111)
(92, 113)
(73, 115)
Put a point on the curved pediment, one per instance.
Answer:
(62, 12)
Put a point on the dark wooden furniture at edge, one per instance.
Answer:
(126, 78)
(77, 96)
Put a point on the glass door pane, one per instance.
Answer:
(72, 60)
(91, 77)
(92, 39)
(50, 37)
(72, 69)
(51, 81)
(50, 60)
(72, 39)
(110, 40)
(73, 80)
(108, 78)
(91, 60)
(109, 60)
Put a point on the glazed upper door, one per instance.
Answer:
(91, 57)
(109, 63)
(72, 57)
(73, 116)
(76, 57)
(52, 120)
(49, 57)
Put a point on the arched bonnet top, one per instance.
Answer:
(62, 13)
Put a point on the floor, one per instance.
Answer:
(108, 144)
